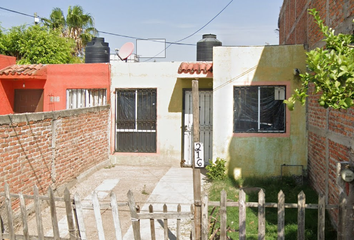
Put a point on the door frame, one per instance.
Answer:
(183, 160)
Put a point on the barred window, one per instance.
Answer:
(259, 109)
(136, 120)
(81, 98)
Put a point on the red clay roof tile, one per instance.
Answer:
(196, 67)
(29, 69)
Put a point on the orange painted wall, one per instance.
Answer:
(61, 77)
(5, 105)
(5, 96)
(6, 61)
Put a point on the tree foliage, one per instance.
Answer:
(76, 25)
(36, 44)
(56, 20)
(2, 47)
(330, 69)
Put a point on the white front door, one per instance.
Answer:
(205, 125)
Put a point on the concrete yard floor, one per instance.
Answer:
(158, 185)
(140, 180)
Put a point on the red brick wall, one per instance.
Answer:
(51, 149)
(301, 33)
(317, 167)
(296, 26)
(329, 131)
(316, 115)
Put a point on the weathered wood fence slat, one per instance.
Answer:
(97, 211)
(69, 215)
(342, 233)
(53, 213)
(24, 218)
(9, 212)
(152, 223)
(321, 217)
(115, 215)
(261, 215)
(165, 215)
(281, 215)
(223, 216)
(38, 208)
(79, 216)
(74, 215)
(242, 215)
(301, 216)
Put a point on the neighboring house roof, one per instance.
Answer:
(196, 68)
(24, 71)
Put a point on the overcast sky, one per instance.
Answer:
(251, 22)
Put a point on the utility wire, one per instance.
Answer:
(120, 35)
(206, 23)
(108, 33)
(137, 38)
(24, 14)
(195, 31)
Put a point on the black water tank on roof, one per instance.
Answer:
(205, 47)
(97, 51)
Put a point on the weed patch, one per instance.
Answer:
(271, 187)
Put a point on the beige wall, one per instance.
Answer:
(257, 154)
(164, 77)
(260, 154)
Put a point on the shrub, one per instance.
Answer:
(216, 170)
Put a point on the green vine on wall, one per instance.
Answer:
(331, 69)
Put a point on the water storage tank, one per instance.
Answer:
(205, 47)
(97, 51)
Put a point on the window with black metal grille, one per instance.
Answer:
(135, 120)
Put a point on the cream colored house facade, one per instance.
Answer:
(151, 111)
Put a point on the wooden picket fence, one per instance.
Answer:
(74, 215)
(178, 215)
(343, 231)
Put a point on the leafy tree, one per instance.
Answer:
(2, 47)
(330, 69)
(77, 25)
(80, 27)
(56, 20)
(10, 40)
(36, 44)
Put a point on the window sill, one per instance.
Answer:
(135, 153)
(265, 135)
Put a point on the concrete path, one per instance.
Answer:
(150, 185)
(175, 187)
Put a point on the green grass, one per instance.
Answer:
(271, 186)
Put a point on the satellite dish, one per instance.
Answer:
(125, 51)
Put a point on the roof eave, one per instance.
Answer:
(195, 75)
(22, 77)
